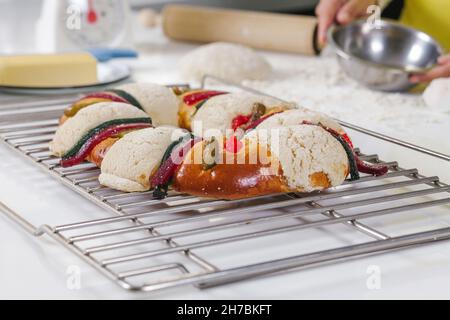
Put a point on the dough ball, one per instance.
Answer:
(437, 94)
(148, 18)
(232, 62)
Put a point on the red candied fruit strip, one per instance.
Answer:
(105, 95)
(347, 139)
(97, 138)
(377, 169)
(193, 98)
(239, 120)
(167, 169)
(243, 120)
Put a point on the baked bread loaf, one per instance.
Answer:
(300, 158)
(256, 145)
(305, 158)
(203, 110)
(159, 102)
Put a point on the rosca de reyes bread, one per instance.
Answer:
(256, 145)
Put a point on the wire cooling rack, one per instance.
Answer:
(149, 244)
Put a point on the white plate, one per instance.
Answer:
(108, 73)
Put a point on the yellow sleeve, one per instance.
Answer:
(430, 16)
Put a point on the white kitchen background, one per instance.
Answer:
(18, 17)
(314, 82)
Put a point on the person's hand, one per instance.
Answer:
(442, 70)
(341, 11)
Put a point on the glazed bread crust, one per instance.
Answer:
(238, 175)
(307, 158)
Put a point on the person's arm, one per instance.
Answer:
(341, 11)
(442, 70)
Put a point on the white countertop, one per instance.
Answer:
(37, 267)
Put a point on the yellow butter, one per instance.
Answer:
(48, 70)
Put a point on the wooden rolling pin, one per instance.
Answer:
(269, 31)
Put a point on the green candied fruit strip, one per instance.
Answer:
(160, 191)
(354, 173)
(127, 96)
(172, 146)
(74, 150)
(198, 106)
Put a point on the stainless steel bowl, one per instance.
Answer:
(381, 56)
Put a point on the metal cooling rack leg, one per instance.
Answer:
(46, 229)
(25, 224)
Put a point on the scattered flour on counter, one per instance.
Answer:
(319, 84)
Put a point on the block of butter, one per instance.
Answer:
(48, 70)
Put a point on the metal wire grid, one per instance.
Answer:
(154, 244)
